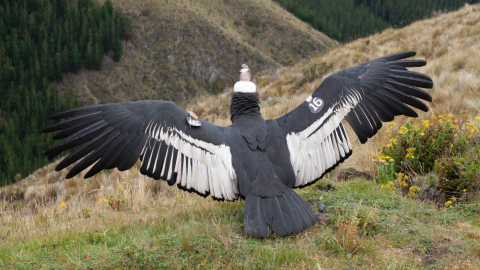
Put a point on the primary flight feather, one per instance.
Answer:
(260, 161)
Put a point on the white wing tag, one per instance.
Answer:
(193, 120)
(315, 104)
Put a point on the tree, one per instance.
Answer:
(98, 56)
(117, 50)
(107, 9)
(90, 57)
(74, 58)
(58, 72)
(32, 55)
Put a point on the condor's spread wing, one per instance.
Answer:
(365, 95)
(116, 135)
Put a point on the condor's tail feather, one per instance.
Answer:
(282, 215)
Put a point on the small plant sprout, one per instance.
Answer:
(116, 202)
(85, 211)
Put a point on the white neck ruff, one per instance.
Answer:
(244, 87)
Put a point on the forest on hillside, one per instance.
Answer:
(346, 20)
(40, 40)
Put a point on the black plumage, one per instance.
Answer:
(259, 160)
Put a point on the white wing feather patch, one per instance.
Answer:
(315, 150)
(202, 166)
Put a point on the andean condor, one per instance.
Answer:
(259, 160)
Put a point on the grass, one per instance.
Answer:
(369, 228)
(146, 224)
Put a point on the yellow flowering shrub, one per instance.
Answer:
(415, 146)
(446, 144)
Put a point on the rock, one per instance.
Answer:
(328, 187)
(160, 31)
(152, 85)
(145, 12)
(434, 194)
(348, 173)
(32, 178)
(213, 77)
(140, 75)
(171, 59)
(321, 208)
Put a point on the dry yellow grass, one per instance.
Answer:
(52, 206)
(450, 43)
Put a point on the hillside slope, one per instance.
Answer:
(449, 43)
(339, 19)
(184, 47)
(120, 219)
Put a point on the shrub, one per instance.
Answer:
(415, 146)
(351, 229)
(403, 184)
(459, 174)
(315, 71)
(441, 144)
